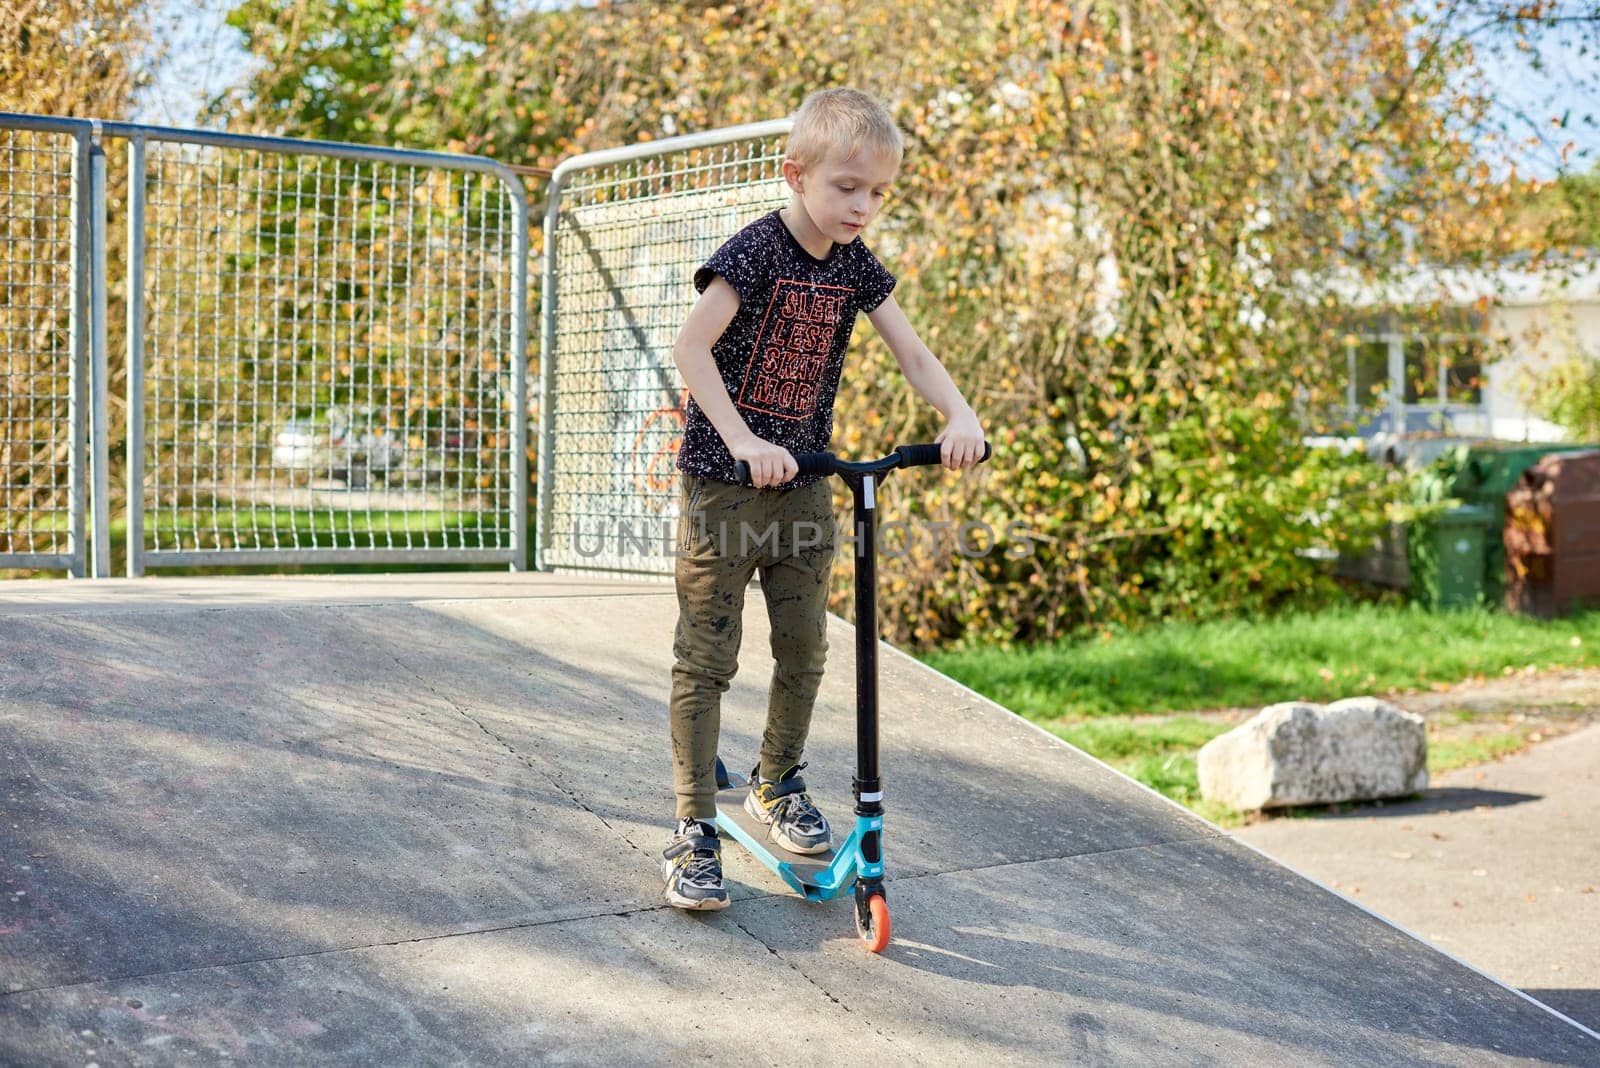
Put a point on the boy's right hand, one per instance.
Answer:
(770, 465)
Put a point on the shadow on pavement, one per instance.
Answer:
(1443, 799)
(371, 832)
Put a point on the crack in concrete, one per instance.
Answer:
(793, 966)
(531, 924)
(462, 710)
(496, 929)
(1047, 860)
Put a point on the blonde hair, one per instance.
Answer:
(839, 123)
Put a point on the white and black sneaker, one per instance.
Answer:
(692, 867)
(783, 805)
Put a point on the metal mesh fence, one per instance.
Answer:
(330, 357)
(625, 231)
(40, 288)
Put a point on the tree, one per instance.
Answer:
(67, 58)
(1114, 224)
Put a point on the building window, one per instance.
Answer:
(1440, 371)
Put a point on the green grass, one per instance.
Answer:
(1160, 754)
(1321, 656)
(1088, 691)
(1449, 755)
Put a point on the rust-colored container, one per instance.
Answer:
(1552, 536)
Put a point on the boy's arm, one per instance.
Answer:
(961, 440)
(770, 464)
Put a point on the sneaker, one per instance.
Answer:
(692, 867)
(785, 808)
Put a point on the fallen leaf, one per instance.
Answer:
(1531, 897)
(1457, 905)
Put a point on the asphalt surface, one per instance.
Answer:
(416, 820)
(1498, 864)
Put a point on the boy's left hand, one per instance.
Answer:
(961, 441)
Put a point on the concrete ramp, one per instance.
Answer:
(416, 819)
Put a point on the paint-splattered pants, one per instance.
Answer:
(726, 534)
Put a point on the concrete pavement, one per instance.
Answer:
(416, 820)
(1498, 864)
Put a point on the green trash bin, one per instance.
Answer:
(1446, 553)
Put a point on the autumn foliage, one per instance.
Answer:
(1116, 224)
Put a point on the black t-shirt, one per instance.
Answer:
(782, 354)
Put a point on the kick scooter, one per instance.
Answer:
(858, 861)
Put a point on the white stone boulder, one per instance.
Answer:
(1359, 749)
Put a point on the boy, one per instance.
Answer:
(761, 353)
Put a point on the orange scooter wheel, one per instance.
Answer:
(875, 931)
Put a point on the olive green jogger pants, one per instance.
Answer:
(727, 534)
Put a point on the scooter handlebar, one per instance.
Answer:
(826, 463)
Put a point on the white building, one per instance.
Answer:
(1471, 379)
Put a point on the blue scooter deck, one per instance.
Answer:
(752, 834)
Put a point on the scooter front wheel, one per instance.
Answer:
(874, 926)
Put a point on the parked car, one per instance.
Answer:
(346, 446)
(297, 445)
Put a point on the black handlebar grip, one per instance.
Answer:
(810, 463)
(918, 455)
(815, 463)
(929, 455)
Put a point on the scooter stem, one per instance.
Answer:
(868, 784)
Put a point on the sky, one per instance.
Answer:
(1528, 98)
(204, 58)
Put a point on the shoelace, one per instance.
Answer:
(702, 869)
(798, 809)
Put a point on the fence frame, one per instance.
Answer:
(550, 292)
(88, 374)
(139, 136)
(85, 345)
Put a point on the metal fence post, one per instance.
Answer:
(99, 374)
(547, 373)
(519, 381)
(79, 333)
(135, 349)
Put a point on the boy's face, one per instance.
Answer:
(842, 196)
